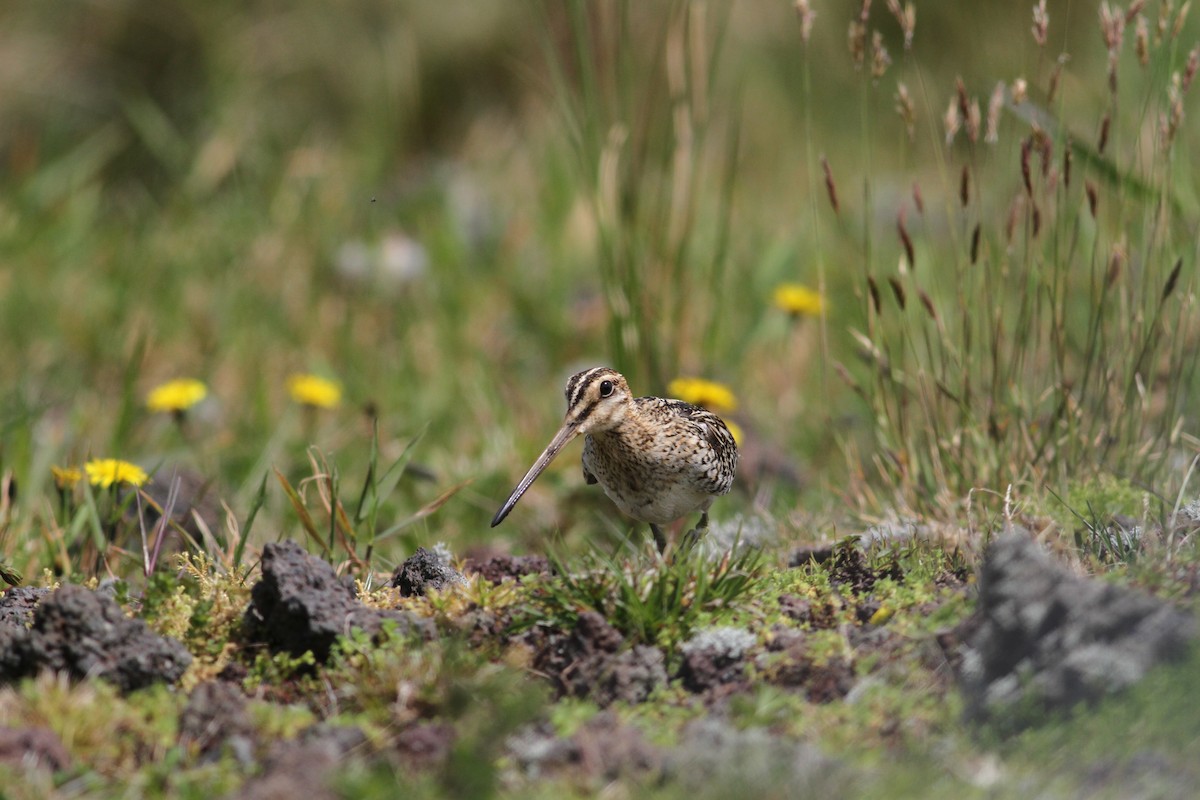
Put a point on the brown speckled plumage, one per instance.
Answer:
(657, 459)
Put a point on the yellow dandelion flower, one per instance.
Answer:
(799, 300)
(66, 477)
(711, 395)
(734, 429)
(176, 396)
(104, 472)
(315, 391)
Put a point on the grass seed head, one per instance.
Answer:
(907, 110)
(974, 121)
(905, 239)
(856, 40)
(1045, 150)
(995, 104)
(807, 15)
(1172, 280)
(880, 59)
(1020, 90)
(1189, 72)
(1142, 41)
(1015, 210)
(1026, 173)
(1181, 18)
(830, 186)
(927, 302)
(907, 19)
(873, 289)
(952, 121)
(1041, 22)
(1115, 264)
(1165, 8)
(1055, 74)
(960, 94)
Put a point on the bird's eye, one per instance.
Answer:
(606, 388)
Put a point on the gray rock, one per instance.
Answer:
(1043, 638)
(215, 713)
(604, 749)
(425, 570)
(301, 605)
(32, 748)
(302, 767)
(717, 759)
(85, 635)
(630, 676)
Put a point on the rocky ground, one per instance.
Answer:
(465, 682)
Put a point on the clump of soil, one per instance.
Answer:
(84, 634)
(425, 744)
(302, 767)
(215, 713)
(588, 661)
(301, 605)
(788, 663)
(425, 570)
(39, 748)
(603, 750)
(717, 758)
(504, 567)
(804, 611)
(631, 676)
(849, 566)
(714, 661)
(1044, 637)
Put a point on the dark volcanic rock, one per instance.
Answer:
(631, 676)
(850, 566)
(572, 660)
(33, 747)
(715, 657)
(718, 759)
(17, 605)
(588, 662)
(301, 767)
(215, 713)
(787, 663)
(425, 570)
(85, 635)
(301, 605)
(425, 744)
(498, 568)
(1044, 638)
(603, 750)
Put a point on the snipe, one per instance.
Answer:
(657, 459)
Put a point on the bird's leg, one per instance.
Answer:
(659, 538)
(692, 537)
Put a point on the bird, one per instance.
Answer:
(657, 459)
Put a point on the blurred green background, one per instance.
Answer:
(399, 196)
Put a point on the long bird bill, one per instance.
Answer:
(566, 433)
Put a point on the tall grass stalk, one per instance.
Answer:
(1062, 340)
(641, 131)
